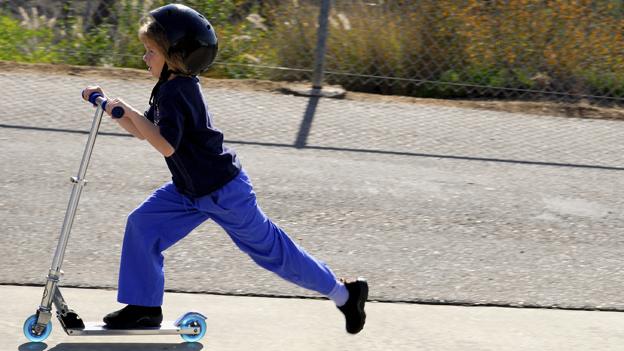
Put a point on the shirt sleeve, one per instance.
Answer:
(170, 119)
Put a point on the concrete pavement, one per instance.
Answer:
(253, 323)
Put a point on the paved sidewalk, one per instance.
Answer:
(258, 324)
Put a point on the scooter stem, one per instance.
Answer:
(78, 183)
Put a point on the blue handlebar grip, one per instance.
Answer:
(93, 97)
(118, 112)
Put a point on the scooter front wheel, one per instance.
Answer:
(29, 329)
(193, 321)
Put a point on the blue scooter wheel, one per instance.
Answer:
(193, 321)
(29, 331)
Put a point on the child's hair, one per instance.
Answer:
(155, 33)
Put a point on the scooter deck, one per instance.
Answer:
(166, 328)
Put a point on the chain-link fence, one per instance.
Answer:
(524, 49)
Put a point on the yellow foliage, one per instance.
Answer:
(426, 38)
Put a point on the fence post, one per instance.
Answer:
(321, 45)
(317, 89)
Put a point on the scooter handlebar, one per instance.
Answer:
(98, 99)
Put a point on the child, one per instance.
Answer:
(208, 182)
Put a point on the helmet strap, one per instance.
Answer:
(165, 73)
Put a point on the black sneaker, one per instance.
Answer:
(353, 309)
(133, 317)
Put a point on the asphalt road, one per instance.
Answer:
(441, 205)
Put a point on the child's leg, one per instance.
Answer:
(159, 222)
(234, 208)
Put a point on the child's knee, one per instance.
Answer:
(138, 221)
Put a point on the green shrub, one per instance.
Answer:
(20, 43)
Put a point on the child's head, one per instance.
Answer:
(154, 38)
(181, 37)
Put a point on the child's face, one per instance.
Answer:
(154, 58)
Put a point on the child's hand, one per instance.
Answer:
(116, 102)
(92, 89)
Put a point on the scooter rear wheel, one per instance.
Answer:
(29, 332)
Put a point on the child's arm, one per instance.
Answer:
(127, 124)
(150, 132)
(144, 127)
(135, 123)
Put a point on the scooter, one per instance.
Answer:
(191, 326)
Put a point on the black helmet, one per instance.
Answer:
(190, 34)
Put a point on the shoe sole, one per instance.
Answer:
(145, 322)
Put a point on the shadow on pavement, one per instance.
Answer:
(304, 131)
(39, 346)
(33, 346)
(306, 123)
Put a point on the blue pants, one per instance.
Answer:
(168, 216)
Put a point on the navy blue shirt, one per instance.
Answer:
(201, 163)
